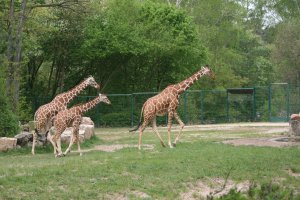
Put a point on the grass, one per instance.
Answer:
(160, 173)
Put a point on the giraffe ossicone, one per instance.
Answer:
(167, 101)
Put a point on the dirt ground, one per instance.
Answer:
(275, 135)
(256, 134)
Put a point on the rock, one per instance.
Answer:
(7, 143)
(85, 133)
(88, 131)
(87, 121)
(23, 138)
(66, 135)
(295, 117)
(295, 127)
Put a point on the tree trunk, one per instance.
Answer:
(18, 56)
(10, 48)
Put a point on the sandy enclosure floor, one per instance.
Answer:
(265, 134)
(256, 134)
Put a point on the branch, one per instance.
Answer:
(64, 4)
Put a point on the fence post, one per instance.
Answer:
(132, 108)
(201, 106)
(98, 118)
(227, 106)
(254, 105)
(288, 102)
(269, 103)
(185, 106)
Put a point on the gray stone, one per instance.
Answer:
(295, 127)
(87, 121)
(7, 143)
(23, 138)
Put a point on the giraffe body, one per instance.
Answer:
(72, 118)
(167, 101)
(44, 114)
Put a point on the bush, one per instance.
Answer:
(116, 119)
(9, 125)
(265, 191)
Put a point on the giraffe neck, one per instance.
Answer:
(71, 94)
(187, 83)
(89, 105)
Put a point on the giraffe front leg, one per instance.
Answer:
(78, 141)
(54, 144)
(34, 137)
(50, 136)
(170, 118)
(72, 140)
(59, 152)
(181, 127)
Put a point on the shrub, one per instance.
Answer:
(8, 121)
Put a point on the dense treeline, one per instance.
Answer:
(47, 47)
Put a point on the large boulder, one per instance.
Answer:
(7, 143)
(86, 131)
(23, 138)
(87, 121)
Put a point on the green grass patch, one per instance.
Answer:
(160, 173)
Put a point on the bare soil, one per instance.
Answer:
(216, 187)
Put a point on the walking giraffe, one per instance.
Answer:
(167, 102)
(72, 117)
(45, 113)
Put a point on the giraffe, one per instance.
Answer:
(44, 114)
(166, 102)
(72, 117)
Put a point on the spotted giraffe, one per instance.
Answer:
(167, 101)
(72, 118)
(45, 113)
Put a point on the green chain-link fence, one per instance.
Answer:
(269, 103)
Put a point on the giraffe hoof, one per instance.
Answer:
(174, 144)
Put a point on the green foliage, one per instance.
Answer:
(119, 119)
(141, 42)
(265, 191)
(286, 51)
(25, 110)
(138, 46)
(9, 125)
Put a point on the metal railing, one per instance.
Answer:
(257, 104)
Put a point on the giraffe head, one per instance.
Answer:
(206, 70)
(104, 98)
(91, 81)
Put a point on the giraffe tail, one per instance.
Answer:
(136, 128)
(140, 123)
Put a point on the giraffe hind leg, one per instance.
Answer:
(142, 128)
(170, 117)
(154, 127)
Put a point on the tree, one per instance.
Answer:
(141, 42)
(8, 121)
(287, 50)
